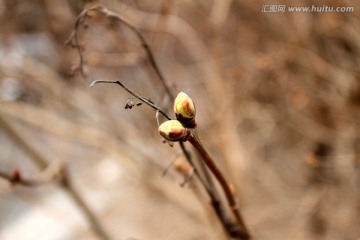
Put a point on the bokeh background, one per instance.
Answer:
(277, 97)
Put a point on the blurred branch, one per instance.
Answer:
(219, 12)
(112, 15)
(65, 182)
(16, 136)
(49, 174)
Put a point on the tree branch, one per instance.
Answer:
(47, 175)
(194, 139)
(141, 98)
(65, 182)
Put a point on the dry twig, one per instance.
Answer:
(47, 175)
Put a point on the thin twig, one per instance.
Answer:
(35, 155)
(196, 142)
(44, 177)
(65, 182)
(80, 55)
(15, 178)
(113, 15)
(74, 36)
(212, 192)
(141, 98)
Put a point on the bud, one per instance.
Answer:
(183, 166)
(184, 107)
(173, 130)
(232, 189)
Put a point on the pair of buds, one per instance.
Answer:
(178, 130)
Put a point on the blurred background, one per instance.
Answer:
(277, 97)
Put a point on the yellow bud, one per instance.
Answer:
(184, 107)
(232, 189)
(173, 130)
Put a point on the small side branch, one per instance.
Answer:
(141, 98)
(50, 173)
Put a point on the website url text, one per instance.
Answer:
(272, 8)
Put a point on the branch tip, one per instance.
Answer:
(103, 81)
